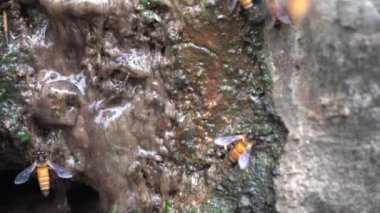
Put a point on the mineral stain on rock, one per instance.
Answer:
(129, 96)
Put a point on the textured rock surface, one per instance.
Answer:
(130, 101)
(327, 91)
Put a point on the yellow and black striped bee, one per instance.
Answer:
(231, 4)
(5, 28)
(242, 149)
(42, 165)
(288, 11)
(284, 11)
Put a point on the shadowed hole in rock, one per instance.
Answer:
(118, 75)
(83, 198)
(163, 49)
(25, 197)
(173, 192)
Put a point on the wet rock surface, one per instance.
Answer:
(129, 95)
(326, 90)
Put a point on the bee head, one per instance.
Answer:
(41, 156)
(251, 137)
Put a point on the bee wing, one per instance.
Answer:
(244, 157)
(231, 5)
(283, 14)
(225, 140)
(61, 172)
(277, 11)
(23, 176)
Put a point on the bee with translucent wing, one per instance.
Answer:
(42, 165)
(283, 11)
(231, 4)
(242, 149)
(288, 11)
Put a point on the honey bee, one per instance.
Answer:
(242, 149)
(5, 28)
(288, 11)
(231, 4)
(42, 165)
(284, 11)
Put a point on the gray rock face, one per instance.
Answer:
(327, 91)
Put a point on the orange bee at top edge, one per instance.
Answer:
(284, 11)
(242, 149)
(231, 4)
(288, 11)
(42, 165)
(5, 28)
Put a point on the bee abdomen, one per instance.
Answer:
(246, 3)
(234, 155)
(298, 9)
(43, 179)
(237, 151)
(45, 192)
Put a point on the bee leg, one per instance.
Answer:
(261, 146)
(270, 21)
